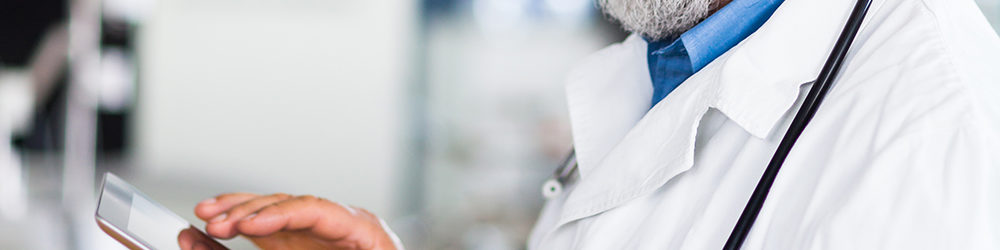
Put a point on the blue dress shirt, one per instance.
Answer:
(673, 60)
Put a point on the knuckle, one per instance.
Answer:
(245, 208)
(227, 196)
(270, 208)
(309, 198)
(282, 195)
(238, 210)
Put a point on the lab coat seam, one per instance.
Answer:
(943, 44)
(953, 78)
(947, 46)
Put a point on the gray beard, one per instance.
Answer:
(657, 19)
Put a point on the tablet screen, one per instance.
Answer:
(140, 218)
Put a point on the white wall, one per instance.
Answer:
(300, 96)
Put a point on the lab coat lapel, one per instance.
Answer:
(624, 154)
(607, 95)
(659, 146)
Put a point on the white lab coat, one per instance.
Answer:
(903, 153)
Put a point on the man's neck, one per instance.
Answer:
(718, 5)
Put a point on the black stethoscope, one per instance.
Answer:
(553, 187)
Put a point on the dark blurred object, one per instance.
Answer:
(22, 24)
(431, 7)
(47, 123)
(112, 132)
(113, 121)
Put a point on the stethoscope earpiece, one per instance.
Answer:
(552, 188)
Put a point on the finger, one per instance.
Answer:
(186, 239)
(223, 225)
(326, 219)
(212, 244)
(200, 246)
(212, 207)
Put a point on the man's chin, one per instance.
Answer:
(657, 19)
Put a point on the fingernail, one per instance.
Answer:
(207, 201)
(250, 216)
(219, 218)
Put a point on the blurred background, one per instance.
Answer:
(442, 116)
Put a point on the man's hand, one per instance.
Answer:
(282, 221)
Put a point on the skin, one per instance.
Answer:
(282, 221)
(719, 4)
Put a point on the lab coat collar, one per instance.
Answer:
(625, 152)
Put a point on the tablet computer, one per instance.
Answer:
(137, 221)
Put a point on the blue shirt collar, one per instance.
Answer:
(726, 28)
(673, 60)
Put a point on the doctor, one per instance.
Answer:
(674, 126)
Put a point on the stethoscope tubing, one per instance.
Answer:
(805, 114)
